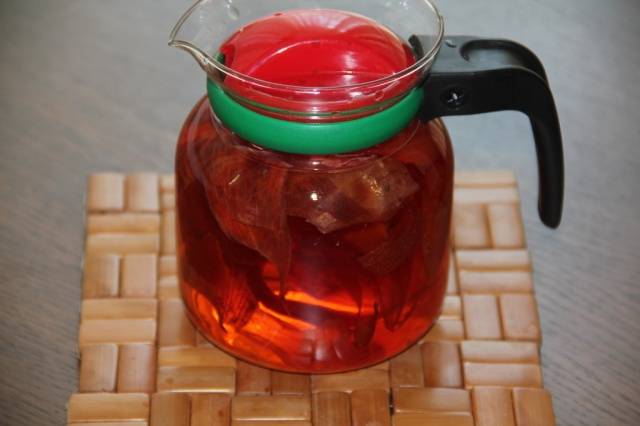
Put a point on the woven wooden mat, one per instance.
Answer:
(142, 362)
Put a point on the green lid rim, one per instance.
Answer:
(313, 138)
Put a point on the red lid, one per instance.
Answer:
(318, 53)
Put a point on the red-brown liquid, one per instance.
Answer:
(313, 264)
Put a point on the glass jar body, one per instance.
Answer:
(312, 264)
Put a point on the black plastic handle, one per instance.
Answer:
(472, 75)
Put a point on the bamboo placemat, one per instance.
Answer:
(142, 362)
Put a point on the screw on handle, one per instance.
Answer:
(473, 76)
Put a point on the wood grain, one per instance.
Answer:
(210, 410)
(492, 406)
(91, 86)
(370, 407)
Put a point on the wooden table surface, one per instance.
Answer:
(88, 85)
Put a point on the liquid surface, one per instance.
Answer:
(317, 48)
(313, 271)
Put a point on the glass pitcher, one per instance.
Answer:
(314, 180)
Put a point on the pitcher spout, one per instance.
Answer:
(200, 56)
(198, 33)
